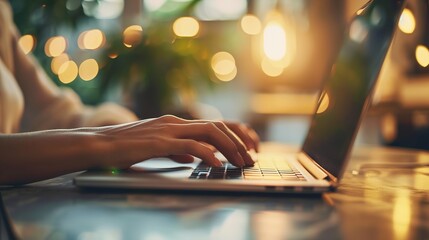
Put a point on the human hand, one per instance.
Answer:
(180, 140)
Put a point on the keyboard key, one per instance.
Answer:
(263, 169)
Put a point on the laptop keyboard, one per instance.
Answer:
(264, 169)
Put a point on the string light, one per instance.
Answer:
(68, 72)
(422, 55)
(407, 22)
(223, 65)
(27, 43)
(88, 69)
(91, 39)
(55, 46)
(251, 24)
(132, 35)
(58, 61)
(186, 27)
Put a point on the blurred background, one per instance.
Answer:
(257, 61)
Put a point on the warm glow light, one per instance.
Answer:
(402, 213)
(360, 11)
(223, 65)
(113, 55)
(27, 43)
(58, 61)
(422, 55)
(270, 68)
(91, 39)
(55, 46)
(274, 41)
(389, 127)
(324, 104)
(68, 72)
(277, 44)
(227, 77)
(407, 22)
(133, 35)
(88, 69)
(283, 103)
(251, 24)
(186, 27)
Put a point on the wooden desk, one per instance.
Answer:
(374, 203)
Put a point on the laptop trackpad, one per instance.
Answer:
(160, 170)
(165, 167)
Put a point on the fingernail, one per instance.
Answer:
(241, 161)
(249, 158)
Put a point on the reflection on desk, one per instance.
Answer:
(73, 215)
(372, 202)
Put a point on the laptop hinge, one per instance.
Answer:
(314, 169)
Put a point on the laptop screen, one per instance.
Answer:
(345, 95)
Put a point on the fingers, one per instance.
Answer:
(238, 142)
(184, 158)
(184, 149)
(218, 136)
(243, 137)
(246, 134)
(182, 139)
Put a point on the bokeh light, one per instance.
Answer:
(55, 46)
(68, 72)
(223, 65)
(58, 61)
(27, 43)
(422, 55)
(251, 24)
(133, 35)
(274, 41)
(88, 69)
(91, 39)
(270, 68)
(186, 27)
(407, 22)
(324, 103)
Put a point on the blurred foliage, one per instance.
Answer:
(41, 16)
(158, 73)
(46, 18)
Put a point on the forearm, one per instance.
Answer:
(30, 157)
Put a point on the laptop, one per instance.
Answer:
(321, 162)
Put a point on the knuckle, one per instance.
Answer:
(211, 126)
(167, 118)
(220, 124)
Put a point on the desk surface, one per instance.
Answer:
(372, 202)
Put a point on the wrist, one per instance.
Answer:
(101, 149)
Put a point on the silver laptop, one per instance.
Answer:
(321, 162)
